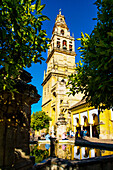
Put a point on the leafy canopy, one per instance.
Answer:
(94, 78)
(40, 120)
(22, 39)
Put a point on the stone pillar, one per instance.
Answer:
(81, 127)
(90, 130)
(52, 131)
(75, 129)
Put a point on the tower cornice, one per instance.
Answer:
(50, 75)
(72, 53)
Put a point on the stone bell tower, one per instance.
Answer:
(60, 64)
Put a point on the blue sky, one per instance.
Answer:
(78, 15)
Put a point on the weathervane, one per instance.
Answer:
(60, 11)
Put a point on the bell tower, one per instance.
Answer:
(60, 64)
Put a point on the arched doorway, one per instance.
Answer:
(78, 128)
(94, 127)
(86, 125)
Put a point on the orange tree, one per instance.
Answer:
(22, 39)
(40, 120)
(94, 76)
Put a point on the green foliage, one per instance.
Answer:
(40, 120)
(95, 77)
(22, 39)
(39, 154)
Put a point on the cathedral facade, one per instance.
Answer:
(60, 64)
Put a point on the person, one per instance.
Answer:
(85, 132)
(64, 136)
(67, 134)
(76, 136)
(72, 134)
(63, 147)
(47, 146)
(82, 134)
(47, 137)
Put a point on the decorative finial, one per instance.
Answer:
(72, 34)
(60, 11)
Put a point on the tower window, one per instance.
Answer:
(58, 44)
(62, 32)
(63, 81)
(54, 94)
(64, 44)
(61, 101)
(70, 47)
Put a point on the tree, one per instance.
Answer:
(40, 120)
(22, 39)
(94, 78)
(39, 154)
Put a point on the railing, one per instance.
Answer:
(65, 51)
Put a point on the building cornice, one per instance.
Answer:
(51, 74)
(46, 79)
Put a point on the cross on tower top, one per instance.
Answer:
(60, 11)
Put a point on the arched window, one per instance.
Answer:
(64, 44)
(70, 47)
(58, 44)
(54, 94)
(62, 32)
(61, 101)
(53, 109)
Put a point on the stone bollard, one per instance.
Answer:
(52, 146)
